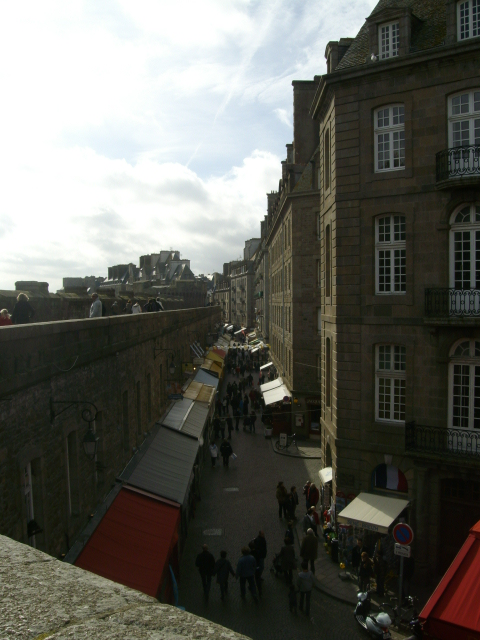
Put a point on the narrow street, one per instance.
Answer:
(236, 503)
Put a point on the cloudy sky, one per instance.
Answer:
(129, 126)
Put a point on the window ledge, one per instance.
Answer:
(392, 174)
(389, 298)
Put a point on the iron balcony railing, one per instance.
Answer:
(458, 162)
(441, 441)
(447, 303)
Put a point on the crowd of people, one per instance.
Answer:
(98, 309)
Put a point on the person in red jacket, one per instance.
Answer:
(5, 319)
(313, 495)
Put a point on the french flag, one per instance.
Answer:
(386, 476)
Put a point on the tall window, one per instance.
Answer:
(319, 274)
(464, 128)
(326, 160)
(390, 138)
(389, 40)
(464, 396)
(328, 373)
(149, 398)
(468, 19)
(465, 248)
(390, 249)
(319, 367)
(390, 383)
(328, 262)
(138, 399)
(319, 320)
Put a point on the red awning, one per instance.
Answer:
(133, 542)
(220, 352)
(453, 611)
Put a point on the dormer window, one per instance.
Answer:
(389, 39)
(468, 19)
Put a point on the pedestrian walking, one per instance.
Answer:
(288, 562)
(313, 495)
(246, 568)
(309, 549)
(213, 453)
(261, 547)
(357, 555)
(205, 564)
(306, 489)
(281, 497)
(226, 451)
(309, 521)
(289, 531)
(305, 586)
(293, 502)
(237, 420)
(96, 307)
(258, 579)
(253, 419)
(222, 570)
(222, 428)
(229, 426)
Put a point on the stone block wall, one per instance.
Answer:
(109, 362)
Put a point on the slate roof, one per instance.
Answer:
(429, 33)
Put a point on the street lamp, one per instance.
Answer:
(90, 444)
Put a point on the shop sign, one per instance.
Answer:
(313, 401)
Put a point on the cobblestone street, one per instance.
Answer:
(240, 501)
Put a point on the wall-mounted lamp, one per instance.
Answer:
(90, 444)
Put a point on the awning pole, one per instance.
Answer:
(400, 586)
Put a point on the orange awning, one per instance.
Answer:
(133, 542)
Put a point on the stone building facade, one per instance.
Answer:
(399, 123)
(261, 284)
(293, 244)
(222, 298)
(241, 294)
(53, 377)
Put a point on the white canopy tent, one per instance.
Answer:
(372, 511)
(276, 395)
(265, 366)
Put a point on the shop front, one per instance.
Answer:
(314, 411)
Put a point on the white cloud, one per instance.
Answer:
(128, 126)
(283, 116)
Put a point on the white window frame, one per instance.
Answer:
(390, 380)
(389, 134)
(388, 40)
(394, 252)
(468, 19)
(459, 224)
(464, 119)
(464, 362)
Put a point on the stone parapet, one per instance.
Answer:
(44, 598)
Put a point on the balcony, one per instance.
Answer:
(439, 441)
(452, 303)
(458, 166)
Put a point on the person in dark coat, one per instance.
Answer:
(357, 555)
(205, 564)
(222, 570)
(288, 562)
(309, 549)
(253, 419)
(23, 311)
(258, 579)
(246, 568)
(261, 547)
(365, 572)
(281, 496)
(292, 502)
(313, 495)
(226, 451)
(289, 532)
(216, 426)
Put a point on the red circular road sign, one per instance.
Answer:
(403, 533)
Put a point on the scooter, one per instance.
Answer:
(416, 628)
(377, 626)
